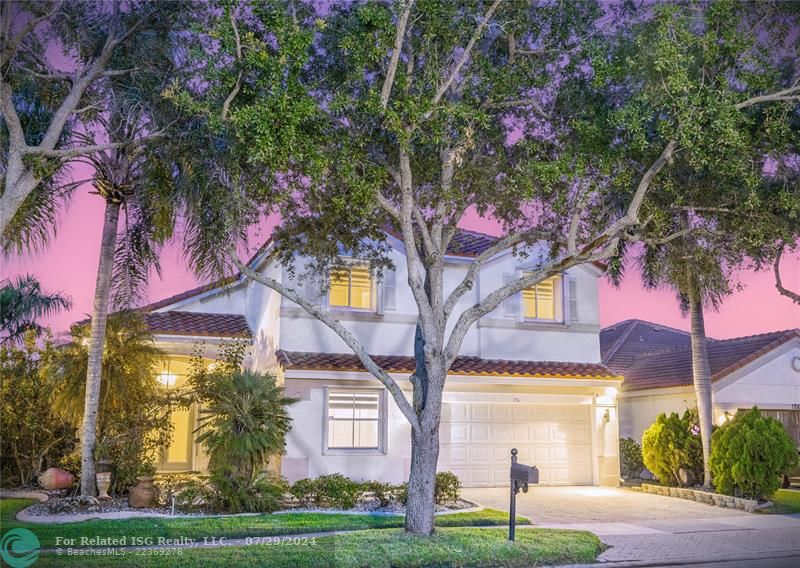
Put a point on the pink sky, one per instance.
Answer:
(69, 265)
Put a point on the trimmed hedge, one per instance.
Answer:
(339, 492)
(670, 444)
(749, 453)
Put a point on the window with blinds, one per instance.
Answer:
(541, 301)
(351, 288)
(354, 420)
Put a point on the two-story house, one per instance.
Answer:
(529, 375)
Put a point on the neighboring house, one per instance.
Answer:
(529, 375)
(656, 361)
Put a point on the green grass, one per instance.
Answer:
(786, 501)
(229, 527)
(451, 547)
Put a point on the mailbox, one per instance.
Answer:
(521, 476)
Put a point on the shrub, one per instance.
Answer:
(338, 491)
(244, 421)
(33, 437)
(385, 493)
(304, 491)
(671, 443)
(447, 488)
(631, 461)
(749, 453)
(245, 495)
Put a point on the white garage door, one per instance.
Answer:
(476, 441)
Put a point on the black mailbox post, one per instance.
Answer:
(521, 475)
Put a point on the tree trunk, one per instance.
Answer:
(421, 482)
(96, 347)
(701, 373)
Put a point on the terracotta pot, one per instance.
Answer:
(103, 483)
(143, 494)
(55, 478)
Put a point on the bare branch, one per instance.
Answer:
(344, 333)
(499, 246)
(402, 22)
(11, 45)
(647, 179)
(238, 85)
(793, 296)
(67, 153)
(49, 75)
(521, 103)
(444, 87)
(790, 94)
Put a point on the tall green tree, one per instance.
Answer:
(721, 211)
(45, 98)
(408, 114)
(22, 302)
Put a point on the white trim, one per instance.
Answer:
(767, 357)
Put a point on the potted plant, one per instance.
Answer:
(104, 468)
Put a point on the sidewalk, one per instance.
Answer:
(674, 542)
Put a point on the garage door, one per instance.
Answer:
(476, 441)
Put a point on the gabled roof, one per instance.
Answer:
(197, 324)
(661, 359)
(474, 366)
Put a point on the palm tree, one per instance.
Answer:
(22, 302)
(127, 179)
(697, 267)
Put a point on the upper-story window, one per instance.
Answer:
(544, 301)
(352, 288)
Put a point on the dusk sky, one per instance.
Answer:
(69, 265)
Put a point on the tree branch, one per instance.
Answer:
(793, 296)
(238, 85)
(790, 94)
(644, 184)
(67, 153)
(337, 327)
(519, 103)
(402, 22)
(11, 46)
(440, 92)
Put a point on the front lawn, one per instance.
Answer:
(229, 527)
(451, 547)
(787, 501)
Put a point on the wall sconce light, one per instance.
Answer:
(723, 418)
(607, 415)
(167, 379)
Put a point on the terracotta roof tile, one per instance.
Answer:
(198, 323)
(462, 365)
(651, 360)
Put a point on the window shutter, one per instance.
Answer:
(571, 305)
(510, 304)
(386, 292)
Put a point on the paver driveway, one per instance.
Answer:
(649, 530)
(568, 505)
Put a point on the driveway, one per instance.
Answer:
(650, 530)
(568, 505)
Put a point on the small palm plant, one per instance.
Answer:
(22, 302)
(243, 424)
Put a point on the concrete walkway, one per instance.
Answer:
(650, 530)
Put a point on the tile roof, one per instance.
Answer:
(647, 363)
(197, 323)
(474, 366)
(623, 343)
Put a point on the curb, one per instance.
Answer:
(686, 560)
